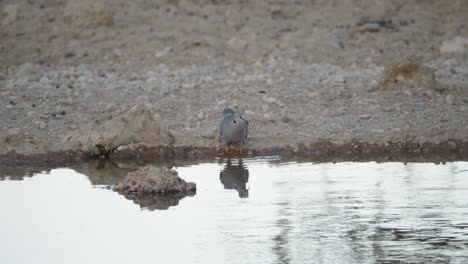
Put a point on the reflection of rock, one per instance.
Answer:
(155, 188)
(134, 126)
(87, 14)
(235, 177)
(18, 173)
(103, 172)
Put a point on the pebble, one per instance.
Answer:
(313, 94)
(286, 119)
(209, 135)
(366, 117)
(250, 114)
(200, 116)
(407, 92)
(419, 108)
(40, 124)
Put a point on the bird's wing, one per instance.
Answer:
(224, 122)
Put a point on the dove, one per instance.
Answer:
(234, 127)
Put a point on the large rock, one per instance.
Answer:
(134, 126)
(408, 72)
(155, 188)
(87, 13)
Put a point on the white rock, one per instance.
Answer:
(133, 126)
(41, 125)
(338, 78)
(450, 100)
(454, 45)
(237, 44)
(377, 130)
(200, 116)
(250, 114)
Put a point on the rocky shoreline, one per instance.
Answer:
(323, 151)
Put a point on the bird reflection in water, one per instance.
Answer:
(235, 177)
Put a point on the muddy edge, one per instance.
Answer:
(321, 151)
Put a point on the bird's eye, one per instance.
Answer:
(234, 121)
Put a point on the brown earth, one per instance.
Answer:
(143, 78)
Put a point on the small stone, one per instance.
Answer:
(250, 114)
(339, 78)
(267, 116)
(407, 92)
(209, 135)
(444, 119)
(237, 44)
(419, 108)
(377, 130)
(366, 117)
(8, 106)
(450, 100)
(271, 99)
(286, 119)
(200, 116)
(313, 94)
(40, 125)
(44, 79)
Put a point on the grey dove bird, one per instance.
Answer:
(234, 127)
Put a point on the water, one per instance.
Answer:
(260, 211)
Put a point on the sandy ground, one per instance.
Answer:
(303, 71)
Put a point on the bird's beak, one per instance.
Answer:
(244, 120)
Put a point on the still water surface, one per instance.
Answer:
(259, 211)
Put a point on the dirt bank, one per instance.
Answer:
(150, 78)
